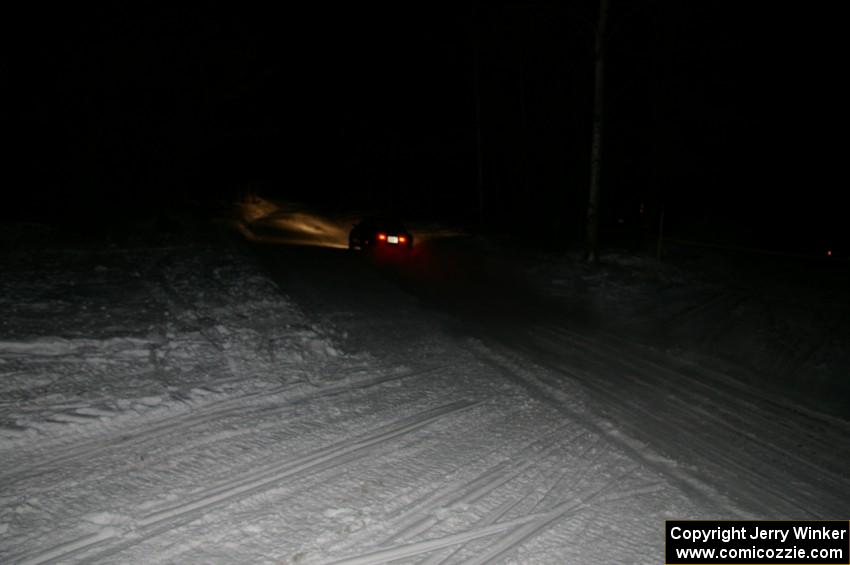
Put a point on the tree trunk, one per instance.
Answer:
(478, 143)
(592, 252)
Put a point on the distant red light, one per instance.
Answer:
(382, 236)
(829, 253)
(402, 239)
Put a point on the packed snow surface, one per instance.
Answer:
(198, 401)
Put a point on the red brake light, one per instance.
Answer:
(402, 239)
(382, 236)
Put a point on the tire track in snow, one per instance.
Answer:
(170, 296)
(623, 408)
(423, 547)
(745, 461)
(168, 517)
(521, 529)
(156, 430)
(334, 454)
(745, 401)
(550, 391)
(721, 384)
(69, 549)
(727, 300)
(490, 519)
(576, 491)
(546, 520)
(506, 507)
(423, 517)
(550, 518)
(420, 519)
(180, 424)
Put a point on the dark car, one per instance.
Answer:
(380, 233)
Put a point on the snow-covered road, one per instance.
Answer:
(210, 402)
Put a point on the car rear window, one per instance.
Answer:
(384, 225)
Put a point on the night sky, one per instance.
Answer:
(732, 119)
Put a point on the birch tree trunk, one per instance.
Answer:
(478, 144)
(592, 251)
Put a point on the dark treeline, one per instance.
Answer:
(716, 114)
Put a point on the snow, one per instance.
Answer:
(202, 400)
(780, 323)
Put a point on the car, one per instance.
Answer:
(375, 233)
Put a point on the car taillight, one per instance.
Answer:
(382, 236)
(402, 239)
